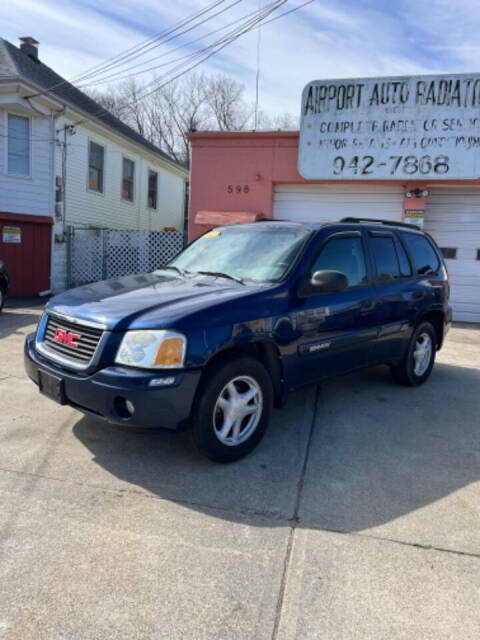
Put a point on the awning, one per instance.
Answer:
(223, 218)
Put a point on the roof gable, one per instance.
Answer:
(14, 62)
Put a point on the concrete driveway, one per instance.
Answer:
(357, 517)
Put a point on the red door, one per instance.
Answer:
(25, 246)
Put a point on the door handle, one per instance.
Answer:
(367, 306)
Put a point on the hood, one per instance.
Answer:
(151, 300)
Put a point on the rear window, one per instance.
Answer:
(425, 259)
(385, 257)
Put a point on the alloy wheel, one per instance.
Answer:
(238, 410)
(422, 354)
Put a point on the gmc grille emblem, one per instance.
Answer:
(65, 337)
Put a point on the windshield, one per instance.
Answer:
(263, 254)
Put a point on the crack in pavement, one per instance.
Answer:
(405, 543)
(295, 520)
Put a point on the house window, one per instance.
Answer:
(127, 179)
(95, 167)
(449, 252)
(478, 254)
(152, 189)
(18, 145)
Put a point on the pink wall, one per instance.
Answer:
(236, 172)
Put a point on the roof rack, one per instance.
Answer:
(388, 223)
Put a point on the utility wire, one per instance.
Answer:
(163, 41)
(120, 73)
(166, 55)
(258, 21)
(229, 40)
(132, 50)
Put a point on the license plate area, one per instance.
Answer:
(52, 386)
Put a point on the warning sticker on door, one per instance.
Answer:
(12, 235)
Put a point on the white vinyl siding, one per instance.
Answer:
(332, 202)
(32, 194)
(452, 217)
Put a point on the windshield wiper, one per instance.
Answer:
(182, 272)
(219, 274)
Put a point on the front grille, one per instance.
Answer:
(86, 343)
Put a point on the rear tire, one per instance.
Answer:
(2, 297)
(232, 409)
(419, 359)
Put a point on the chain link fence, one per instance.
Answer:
(100, 254)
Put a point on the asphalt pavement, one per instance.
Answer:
(357, 517)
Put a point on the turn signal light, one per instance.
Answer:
(170, 352)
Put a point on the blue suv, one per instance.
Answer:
(241, 317)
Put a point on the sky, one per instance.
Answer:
(326, 39)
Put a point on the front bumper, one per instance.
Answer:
(98, 394)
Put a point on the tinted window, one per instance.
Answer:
(346, 255)
(405, 268)
(385, 258)
(425, 259)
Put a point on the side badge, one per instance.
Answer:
(313, 348)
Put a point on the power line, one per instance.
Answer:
(245, 29)
(182, 46)
(116, 75)
(132, 50)
(162, 41)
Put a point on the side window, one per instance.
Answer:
(405, 268)
(343, 254)
(424, 258)
(152, 189)
(18, 146)
(95, 166)
(386, 260)
(128, 172)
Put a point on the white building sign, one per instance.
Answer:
(12, 235)
(399, 128)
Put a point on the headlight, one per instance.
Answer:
(152, 349)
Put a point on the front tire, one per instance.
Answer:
(232, 409)
(419, 359)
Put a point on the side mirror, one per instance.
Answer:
(323, 282)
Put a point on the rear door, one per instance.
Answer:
(393, 275)
(336, 330)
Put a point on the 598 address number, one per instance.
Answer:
(408, 165)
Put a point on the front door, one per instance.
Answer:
(335, 331)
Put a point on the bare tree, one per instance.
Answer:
(176, 109)
(224, 96)
(124, 102)
(194, 102)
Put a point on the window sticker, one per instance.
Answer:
(212, 234)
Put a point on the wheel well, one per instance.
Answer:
(436, 320)
(266, 352)
(3, 284)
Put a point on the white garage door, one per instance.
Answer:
(330, 203)
(452, 217)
